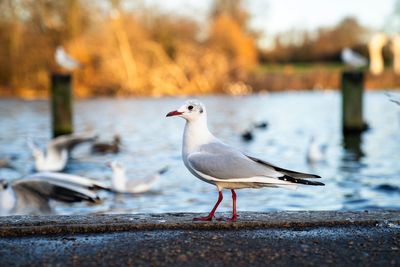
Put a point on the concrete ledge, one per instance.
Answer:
(45, 225)
(314, 238)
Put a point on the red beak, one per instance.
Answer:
(173, 113)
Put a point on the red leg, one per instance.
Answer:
(234, 214)
(211, 215)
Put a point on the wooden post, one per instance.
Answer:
(352, 102)
(61, 104)
(352, 145)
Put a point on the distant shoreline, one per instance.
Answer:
(258, 81)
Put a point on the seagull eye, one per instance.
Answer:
(190, 107)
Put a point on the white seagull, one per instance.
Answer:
(122, 184)
(31, 194)
(57, 152)
(214, 162)
(352, 58)
(64, 60)
(316, 152)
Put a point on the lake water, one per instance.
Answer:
(359, 173)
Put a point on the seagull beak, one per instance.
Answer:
(174, 113)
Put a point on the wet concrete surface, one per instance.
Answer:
(287, 239)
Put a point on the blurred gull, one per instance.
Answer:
(64, 60)
(353, 59)
(214, 162)
(57, 152)
(316, 152)
(121, 184)
(107, 147)
(31, 195)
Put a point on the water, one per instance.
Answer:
(359, 174)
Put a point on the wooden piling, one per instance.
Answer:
(61, 104)
(352, 102)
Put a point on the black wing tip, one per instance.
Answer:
(283, 171)
(299, 181)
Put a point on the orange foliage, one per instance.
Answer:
(228, 36)
(125, 53)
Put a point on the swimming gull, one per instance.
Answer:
(57, 152)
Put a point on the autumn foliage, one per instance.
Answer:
(123, 52)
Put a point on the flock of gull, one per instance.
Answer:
(205, 156)
(33, 193)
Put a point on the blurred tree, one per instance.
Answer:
(73, 18)
(231, 8)
(12, 14)
(123, 44)
(323, 45)
(229, 34)
(125, 51)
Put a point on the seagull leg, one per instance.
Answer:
(211, 215)
(234, 214)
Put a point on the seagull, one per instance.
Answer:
(121, 184)
(107, 147)
(352, 58)
(57, 152)
(316, 152)
(64, 60)
(216, 163)
(31, 194)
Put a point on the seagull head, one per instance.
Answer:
(36, 152)
(190, 111)
(115, 166)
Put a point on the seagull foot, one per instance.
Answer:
(203, 219)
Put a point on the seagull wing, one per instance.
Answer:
(220, 162)
(71, 179)
(68, 142)
(33, 194)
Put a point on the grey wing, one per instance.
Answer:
(68, 142)
(223, 162)
(71, 179)
(42, 190)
